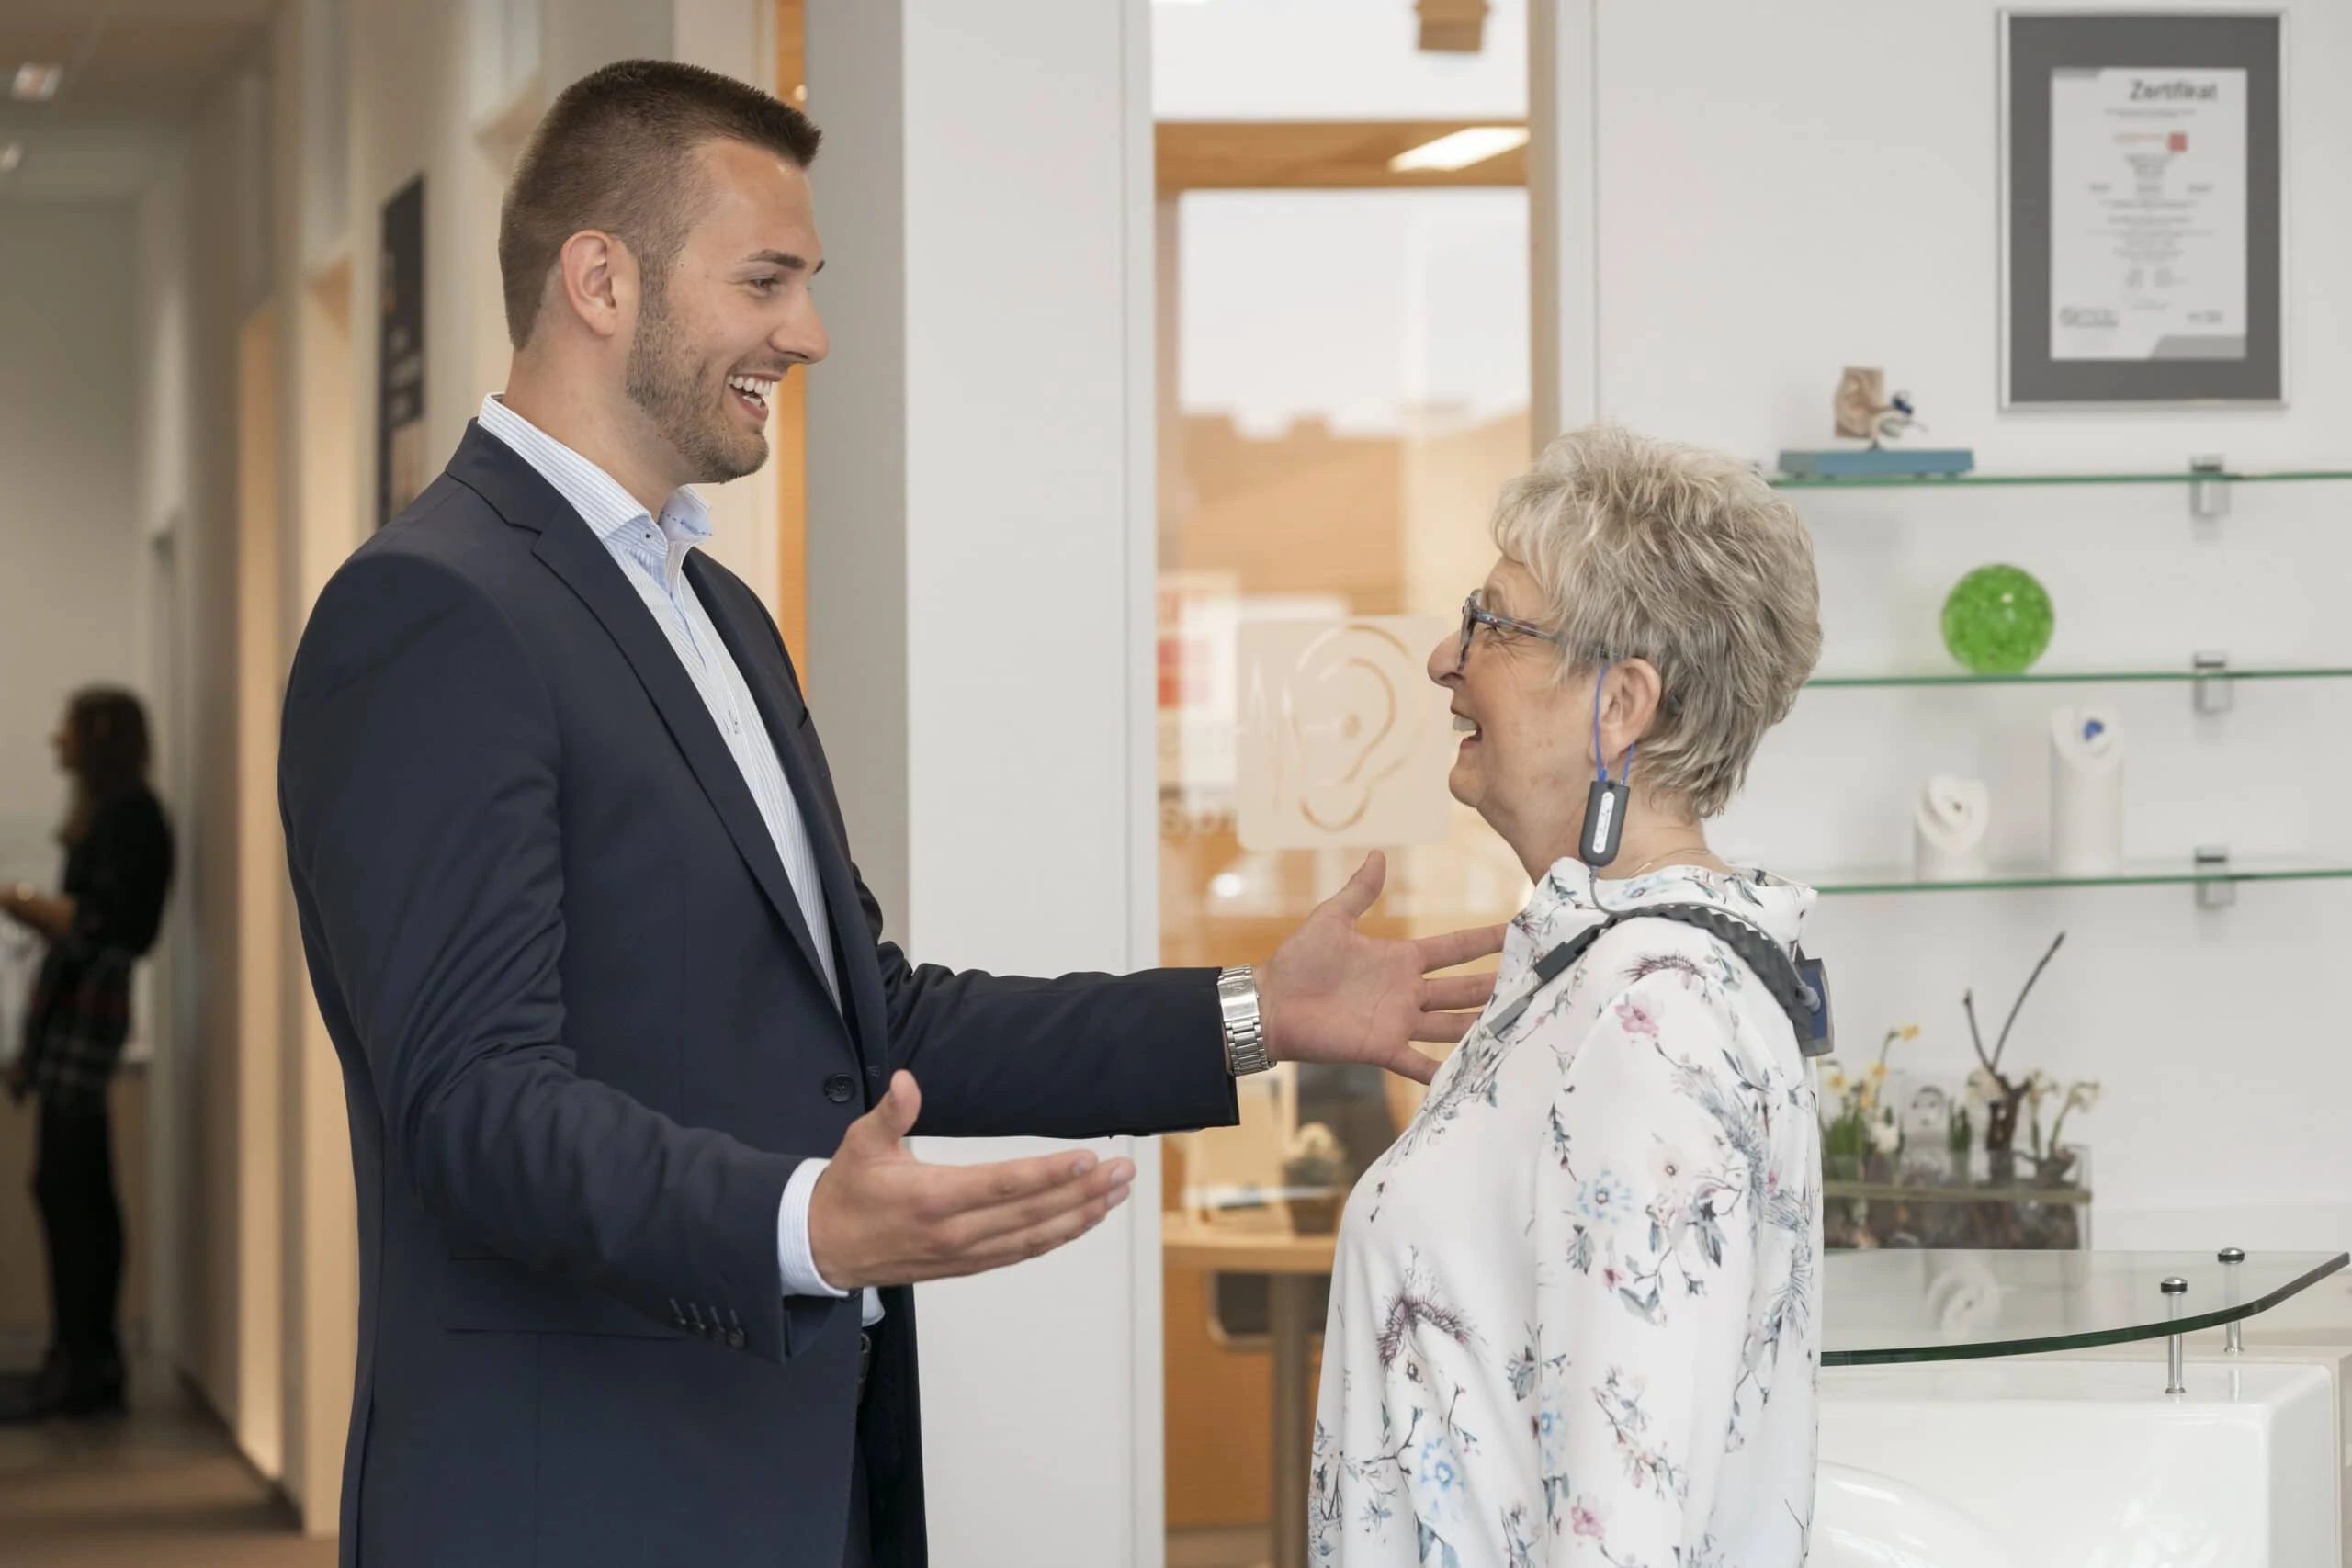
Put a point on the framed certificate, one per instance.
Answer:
(2142, 235)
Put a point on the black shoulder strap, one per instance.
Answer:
(1799, 985)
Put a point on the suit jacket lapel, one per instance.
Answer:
(489, 467)
(860, 975)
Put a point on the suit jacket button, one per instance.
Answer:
(839, 1087)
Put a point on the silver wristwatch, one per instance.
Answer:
(1245, 1040)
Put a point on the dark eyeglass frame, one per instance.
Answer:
(1475, 615)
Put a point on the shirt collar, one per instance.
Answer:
(1573, 897)
(599, 498)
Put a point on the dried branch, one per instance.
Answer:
(2002, 1043)
(1968, 1006)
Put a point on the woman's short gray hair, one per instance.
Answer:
(1684, 558)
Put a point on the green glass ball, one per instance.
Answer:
(1998, 620)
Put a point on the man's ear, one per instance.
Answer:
(596, 282)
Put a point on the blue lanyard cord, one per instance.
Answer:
(1624, 774)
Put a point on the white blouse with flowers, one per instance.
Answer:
(1574, 1315)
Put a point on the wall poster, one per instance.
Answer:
(2142, 196)
(399, 354)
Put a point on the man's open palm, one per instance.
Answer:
(1333, 994)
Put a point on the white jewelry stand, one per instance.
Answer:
(2085, 792)
(1951, 818)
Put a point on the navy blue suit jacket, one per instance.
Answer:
(585, 1041)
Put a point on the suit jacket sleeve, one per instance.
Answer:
(418, 781)
(1080, 1056)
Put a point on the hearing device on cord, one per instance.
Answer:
(1604, 803)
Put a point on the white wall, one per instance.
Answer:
(1784, 190)
(68, 524)
(412, 113)
(163, 412)
(980, 555)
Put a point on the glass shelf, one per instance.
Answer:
(1976, 479)
(2182, 871)
(2080, 677)
(1891, 1305)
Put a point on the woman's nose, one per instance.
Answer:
(1445, 661)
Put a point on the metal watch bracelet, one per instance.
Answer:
(1245, 1036)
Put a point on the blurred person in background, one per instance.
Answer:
(100, 921)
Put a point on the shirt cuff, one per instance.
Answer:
(793, 1259)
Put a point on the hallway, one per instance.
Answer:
(163, 1487)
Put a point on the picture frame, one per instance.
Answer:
(2143, 175)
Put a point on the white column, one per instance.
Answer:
(981, 561)
(1563, 169)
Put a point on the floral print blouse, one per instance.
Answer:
(1574, 1314)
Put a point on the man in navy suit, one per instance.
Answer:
(628, 1061)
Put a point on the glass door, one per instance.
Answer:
(1344, 352)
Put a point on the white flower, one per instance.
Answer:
(1886, 1136)
(2083, 1096)
(1982, 1086)
(2042, 1083)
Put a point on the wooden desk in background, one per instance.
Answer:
(1291, 1263)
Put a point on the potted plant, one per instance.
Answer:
(2057, 1164)
(1312, 1170)
(2004, 1098)
(1860, 1134)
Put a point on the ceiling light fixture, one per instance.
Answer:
(10, 156)
(37, 83)
(1460, 149)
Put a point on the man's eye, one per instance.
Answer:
(767, 283)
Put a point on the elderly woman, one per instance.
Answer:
(1574, 1316)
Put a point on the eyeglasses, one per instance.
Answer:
(1475, 615)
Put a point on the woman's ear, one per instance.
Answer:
(1631, 696)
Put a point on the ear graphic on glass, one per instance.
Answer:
(1342, 739)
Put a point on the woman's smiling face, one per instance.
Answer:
(1526, 753)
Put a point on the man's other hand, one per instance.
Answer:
(880, 1216)
(1332, 994)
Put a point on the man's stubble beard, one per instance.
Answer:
(665, 382)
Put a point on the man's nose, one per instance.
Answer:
(805, 338)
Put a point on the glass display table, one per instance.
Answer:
(1880, 1309)
(1894, 1305)
(1970, 1407)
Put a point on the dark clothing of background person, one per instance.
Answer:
(77, 1017)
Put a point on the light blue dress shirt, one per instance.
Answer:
(653, 556)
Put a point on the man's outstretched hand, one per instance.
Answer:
(880, 1216)
(1332, 994)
